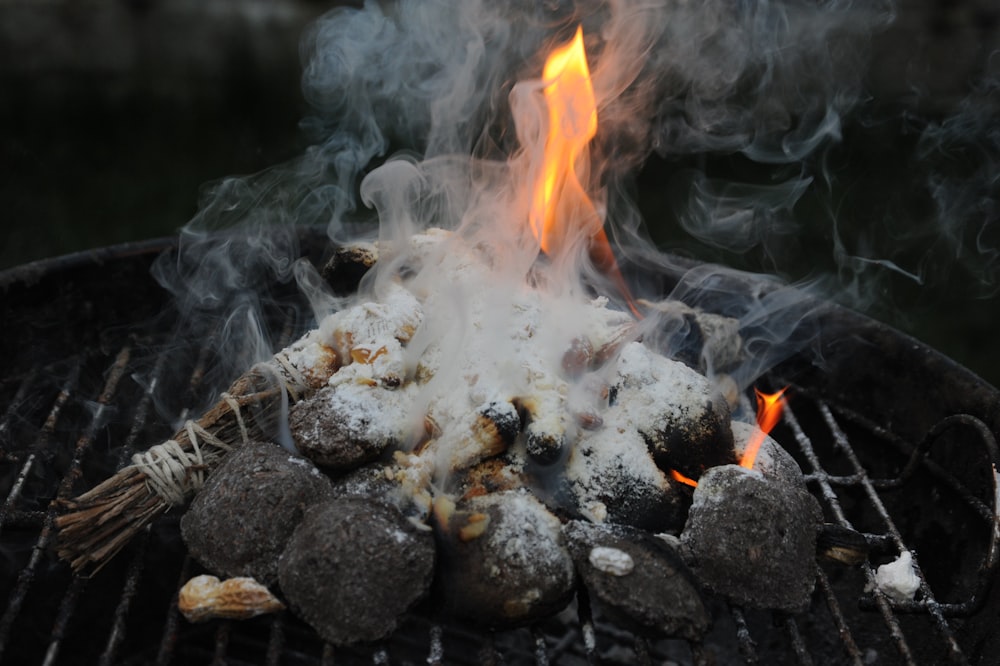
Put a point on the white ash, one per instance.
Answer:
(313, 358)
(656, 390)
(396, 315)
(611, 560)
(528, 536)
(381, 362)
(898, 580)
(349, 423)
(612, 477)
(502, 343)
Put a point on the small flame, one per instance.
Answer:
(769, 408)
(561, 211)
(677, 476)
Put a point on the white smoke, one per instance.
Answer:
(413, 127)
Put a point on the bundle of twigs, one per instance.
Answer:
(96, 525)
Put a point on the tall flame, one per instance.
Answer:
(769, 408)
(572, 106)
(561, 211)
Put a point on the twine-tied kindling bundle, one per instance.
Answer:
(175, 472)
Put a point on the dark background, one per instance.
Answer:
(115, 113)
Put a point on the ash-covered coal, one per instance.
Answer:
(684, 419)
(419, 432)
(489, 394)
(348, 424)
(504, 560)
(610, 476)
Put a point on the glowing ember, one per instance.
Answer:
(562, 216)
(677, 476)
(769, 408)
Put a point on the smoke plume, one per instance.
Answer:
(742, 103)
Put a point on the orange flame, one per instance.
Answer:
(569, 95)
(677, 476)
(769, 408)
(559, 201)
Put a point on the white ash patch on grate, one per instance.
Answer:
(898, 580)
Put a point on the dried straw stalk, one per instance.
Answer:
(96, 525)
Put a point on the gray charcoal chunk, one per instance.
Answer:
(354, 567)
(347, 425)
(503, 561)
(241, 520)
(752, 538)
(637, 580)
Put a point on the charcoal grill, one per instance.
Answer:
(896, 441)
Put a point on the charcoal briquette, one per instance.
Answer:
(353, 567)
(240, 521)
(752, 538)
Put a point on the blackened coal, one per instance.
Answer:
(505, 418)
(353, 567)
(240, 522)
(349, 263)
(752, 538)
(503, 561)
(637, 580)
